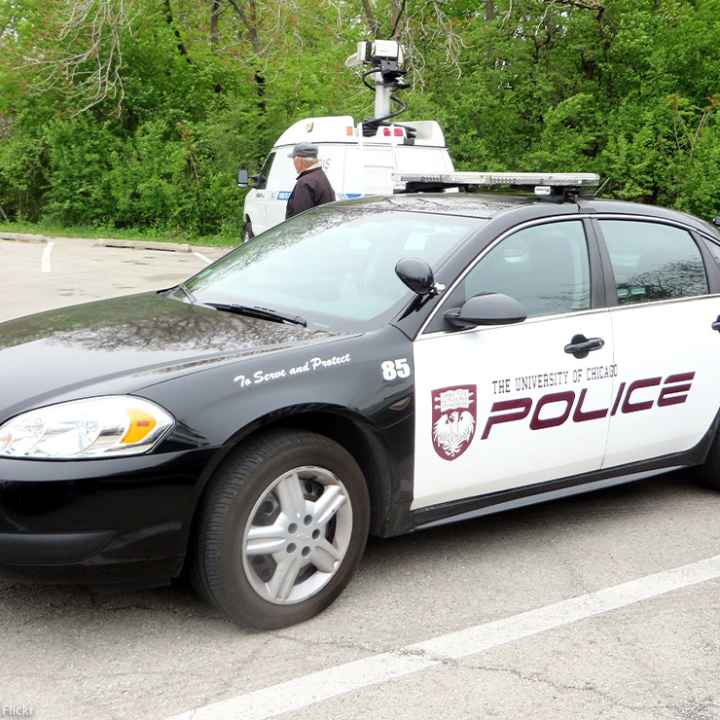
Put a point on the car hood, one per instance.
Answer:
(124, 344)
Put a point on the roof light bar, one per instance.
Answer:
(551, 183)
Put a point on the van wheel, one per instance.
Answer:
(282, 530)
(248, 231)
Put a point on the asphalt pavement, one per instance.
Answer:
(447, 623)
(37, 274)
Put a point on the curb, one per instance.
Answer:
(142, 245)
(23, 237)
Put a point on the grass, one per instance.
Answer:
(92, 233)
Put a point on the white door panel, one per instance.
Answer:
(539, 413)
(668, 356)
(280, 183)
(255, 210)
(666, 350)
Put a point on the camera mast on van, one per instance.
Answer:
(358, 158)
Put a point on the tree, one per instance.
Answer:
(138, 112)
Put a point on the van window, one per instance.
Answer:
(264, 174)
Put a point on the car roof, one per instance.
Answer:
(489, 205)
(486, 205)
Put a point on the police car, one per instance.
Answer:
(375, 366)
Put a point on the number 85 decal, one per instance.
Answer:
(393, 369)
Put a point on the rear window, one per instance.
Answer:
(653, 262)
(715, 250)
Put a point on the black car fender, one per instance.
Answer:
(349, 399)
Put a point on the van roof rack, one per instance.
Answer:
(550, 186)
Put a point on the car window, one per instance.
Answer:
(715, 250)
(264, 174)
(653, 262)
(545, 267)
(334, 266)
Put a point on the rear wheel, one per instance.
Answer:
(282, 530)
(709, 473)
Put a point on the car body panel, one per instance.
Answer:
(674, 394)
(117, 345)
(523, 387)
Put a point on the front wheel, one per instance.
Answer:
(248, 233)
(282, 530)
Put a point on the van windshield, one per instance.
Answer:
(334, 267)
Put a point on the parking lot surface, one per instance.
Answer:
(70, 652)
(40, 276)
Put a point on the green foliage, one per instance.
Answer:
(626, 88)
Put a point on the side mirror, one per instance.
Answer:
(488, 309)
(417, 275)
(243, 180)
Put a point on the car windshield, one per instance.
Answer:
(334, 267)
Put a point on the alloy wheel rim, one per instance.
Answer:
(297, 535)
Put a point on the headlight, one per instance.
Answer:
(97, 427)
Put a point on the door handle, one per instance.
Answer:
(716, 325)
(581, 347)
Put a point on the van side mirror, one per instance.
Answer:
(417, 275)
(487, 309)
(243, 179)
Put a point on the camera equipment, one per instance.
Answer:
(386, 60)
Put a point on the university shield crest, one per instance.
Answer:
(454, 416)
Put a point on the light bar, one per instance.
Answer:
(561, 181)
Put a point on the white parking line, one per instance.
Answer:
(204, 258)
(45, 265)
(325, 684)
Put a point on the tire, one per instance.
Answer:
(709, 473)
(267, 521)
(248, 233)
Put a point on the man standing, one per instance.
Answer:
(312, 187)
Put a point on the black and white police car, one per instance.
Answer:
(376, 366)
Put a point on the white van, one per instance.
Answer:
(355, 165)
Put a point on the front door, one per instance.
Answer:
(257, 200)
(507, 407)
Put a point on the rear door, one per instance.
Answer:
(377, 164)
(667, 353)
(420, 159)
(499, 408)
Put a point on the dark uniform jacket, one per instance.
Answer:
(312, 189)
